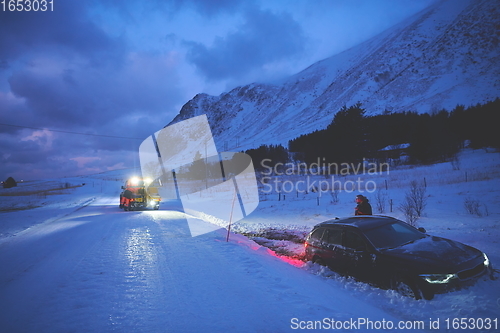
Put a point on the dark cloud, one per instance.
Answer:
(207, 8)
(39, 154)
(214, 7)
(66, 28)
(28, 152)
(82, 96)
(134, 11)
(53, 99)
(74, 92)
(264, 38)
(12, 111)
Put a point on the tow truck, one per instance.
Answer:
(139, 193)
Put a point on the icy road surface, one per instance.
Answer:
(99, 269)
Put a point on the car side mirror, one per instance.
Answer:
(422, 230)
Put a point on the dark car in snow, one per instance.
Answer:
(391, 254)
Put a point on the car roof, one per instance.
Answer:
(362, 222)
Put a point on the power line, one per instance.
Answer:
(70, 132)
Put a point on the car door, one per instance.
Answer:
(314, 247)
(333, 253)
(359, 259)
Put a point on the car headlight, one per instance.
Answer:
(438, 278)
(486, 260)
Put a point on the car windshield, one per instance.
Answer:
(393, 235)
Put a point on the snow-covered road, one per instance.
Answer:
(99, 269)
(77, 263)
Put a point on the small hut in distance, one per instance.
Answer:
(10, 182)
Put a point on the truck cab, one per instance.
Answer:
(139, 194)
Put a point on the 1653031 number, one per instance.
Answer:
(27, 5)
(472, 323)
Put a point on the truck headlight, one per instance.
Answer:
(134, 181)
(438, 278)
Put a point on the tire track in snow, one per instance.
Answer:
(118, 286)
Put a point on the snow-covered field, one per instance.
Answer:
(76, 263)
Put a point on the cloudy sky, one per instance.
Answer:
(119, 70)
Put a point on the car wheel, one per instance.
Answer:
(406, 288)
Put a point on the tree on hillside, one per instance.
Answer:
(274, 154)
(480, 125)
(347, 139)
(433, 137)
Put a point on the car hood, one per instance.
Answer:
(436, 251)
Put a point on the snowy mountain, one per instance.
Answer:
(446, 55)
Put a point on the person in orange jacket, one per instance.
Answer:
(363, 207)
